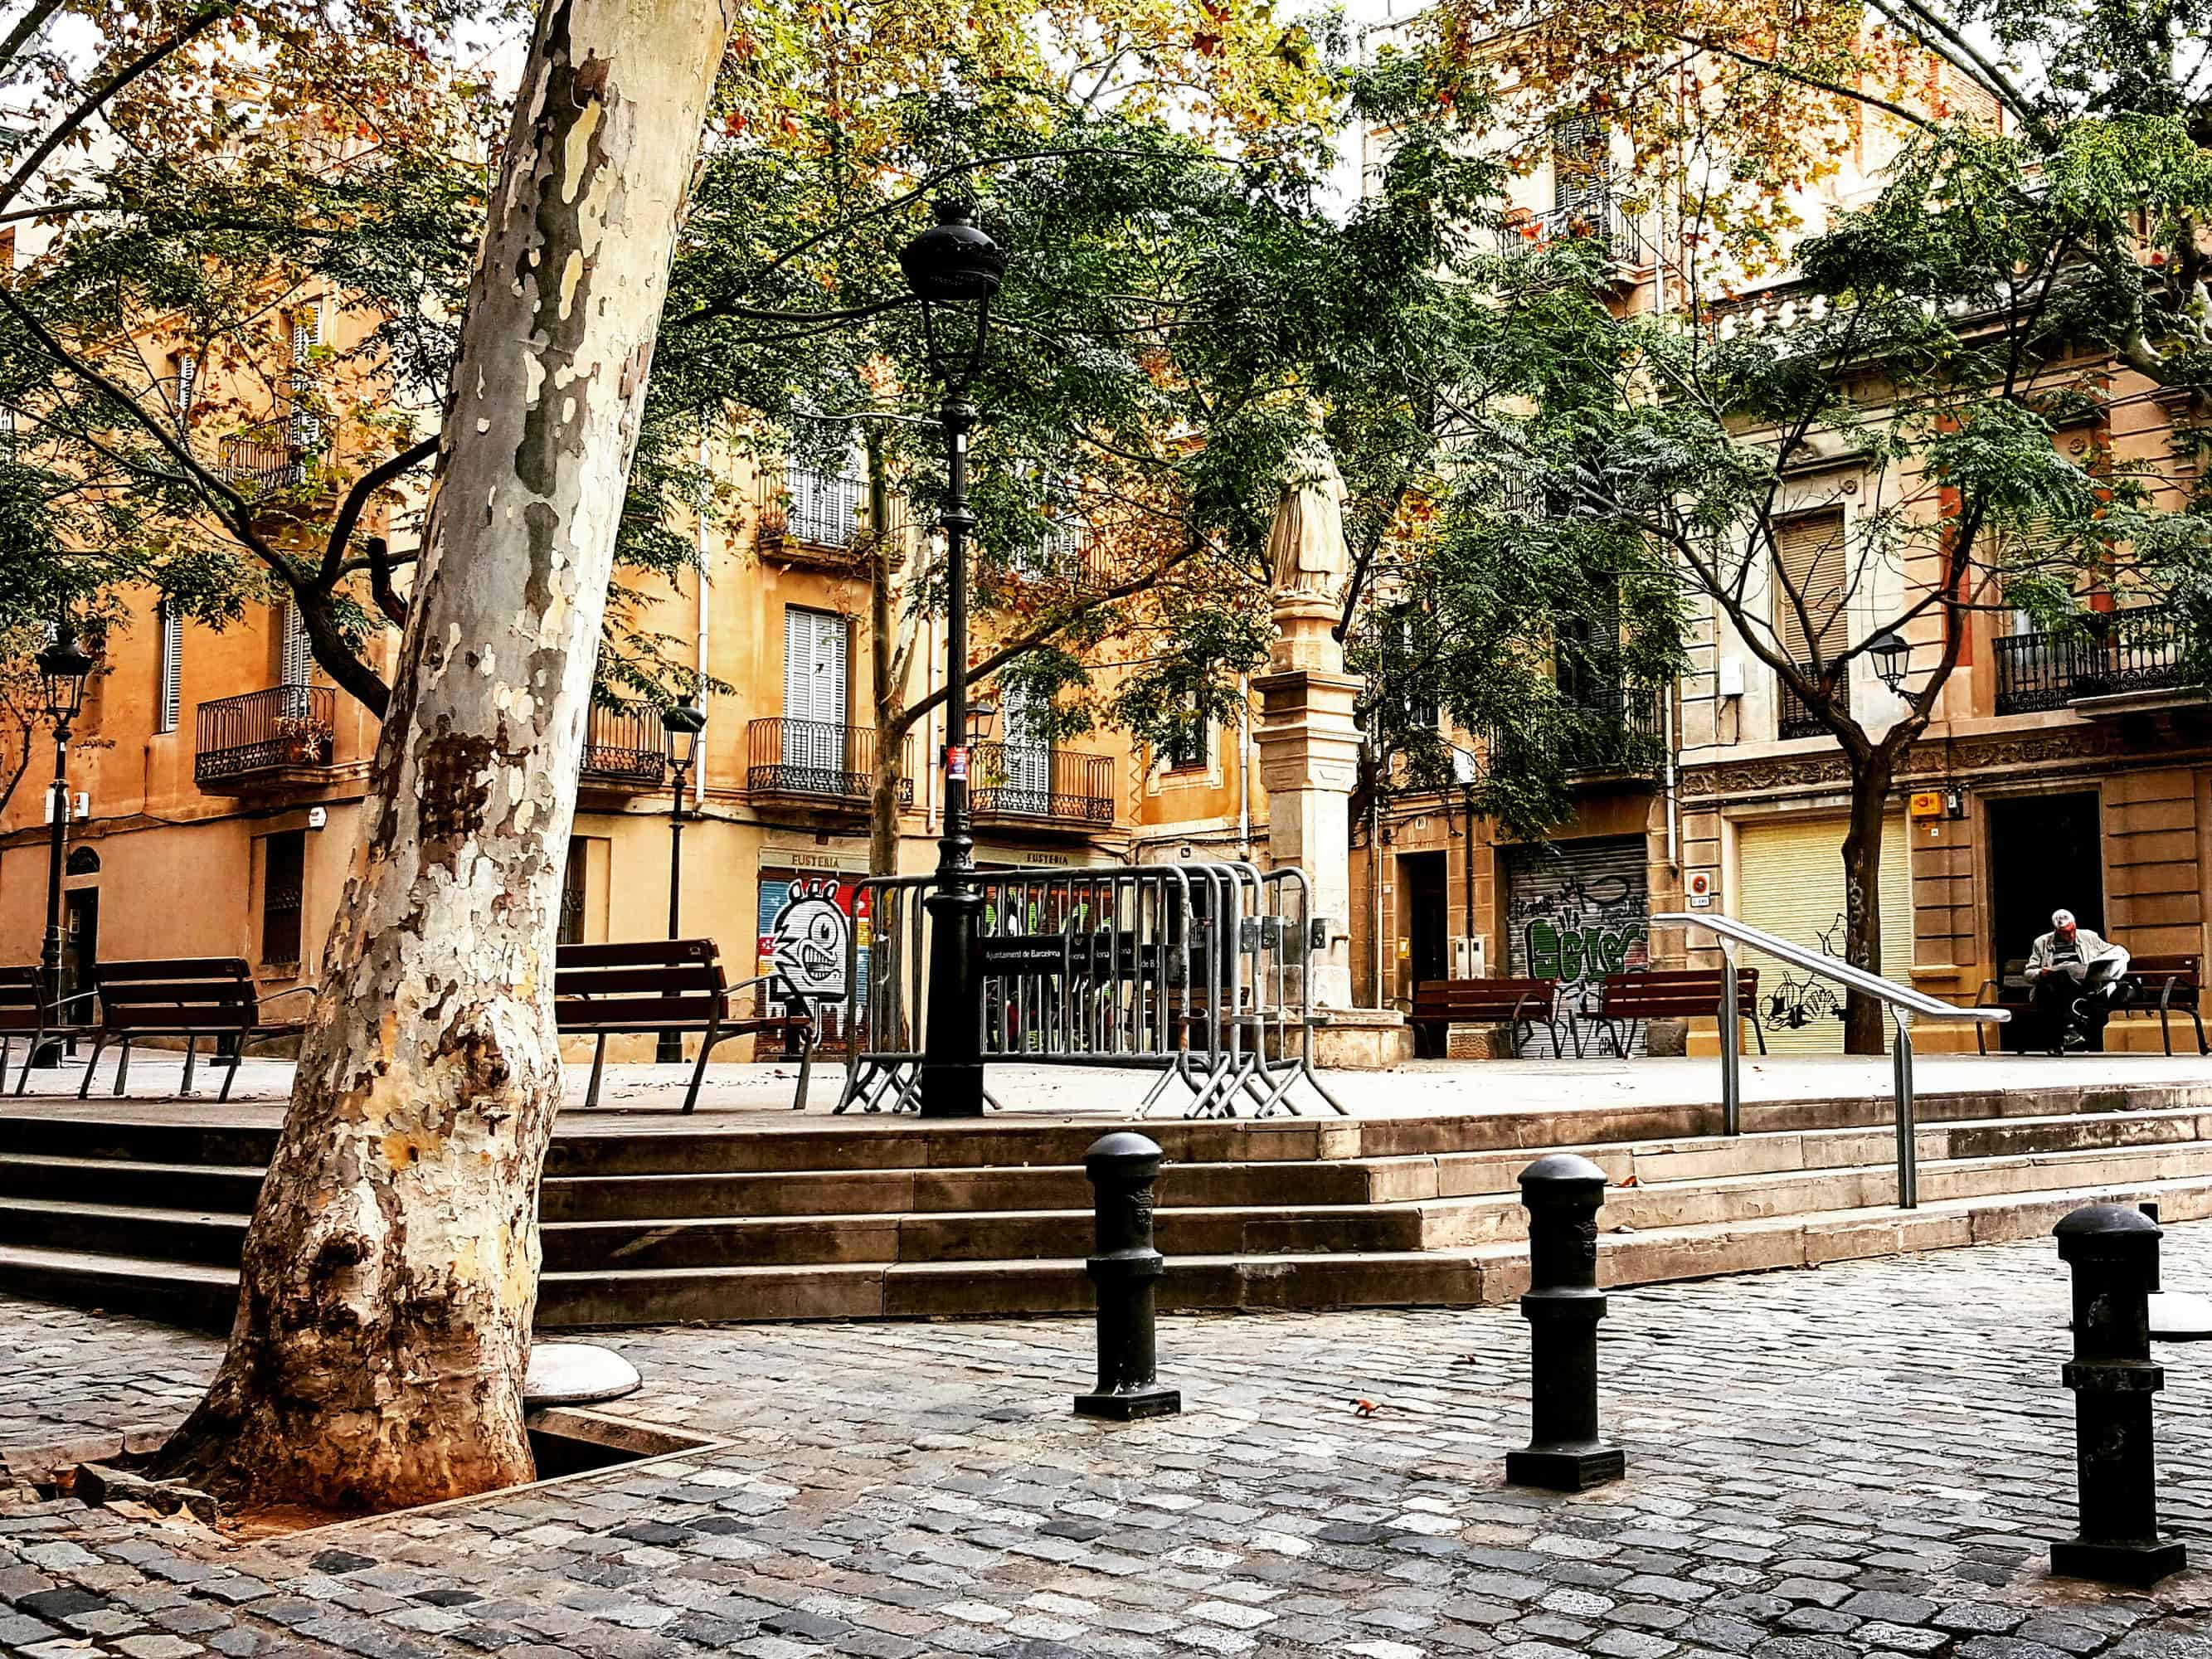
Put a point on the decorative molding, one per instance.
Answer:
(2084, 749)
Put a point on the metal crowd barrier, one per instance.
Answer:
(1199, 971)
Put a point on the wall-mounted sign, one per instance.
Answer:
(1925, 803)
(1699, 888)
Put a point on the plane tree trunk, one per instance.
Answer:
(391, 1271)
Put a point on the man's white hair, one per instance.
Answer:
(2061, 918)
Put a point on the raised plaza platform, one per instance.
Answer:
(746, 1211)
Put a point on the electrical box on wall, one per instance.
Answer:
(318, 817)
(1468, 959)
(1727, 677)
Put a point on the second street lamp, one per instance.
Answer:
(1890, 655)
(681, 723)
(62, 671)
(952, 268)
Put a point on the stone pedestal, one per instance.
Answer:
(1309, 746)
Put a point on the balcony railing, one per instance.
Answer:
(261, 464)
(1793, 716)
(804, 510)
(1618, 733)
(1599, 216)
(285, 728)
(624, 747)
(818, 761)
(2134, 650)
(1035, 782)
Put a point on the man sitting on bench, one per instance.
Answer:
(2074, 978)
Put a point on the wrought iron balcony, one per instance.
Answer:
(624, 748)
(287, 734)
(1035, 784)
(1618, 733)
(258, 464)
(821, 764)
(1793, 716)
(2134, 650)
(810, 517)
(1601, 217)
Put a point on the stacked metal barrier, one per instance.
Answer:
(1199, 971)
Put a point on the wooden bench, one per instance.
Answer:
(665, 985)
(1522, 1004)
(23, 1013)
(2159, 985)
(1635, 998)
(189, 997)
(2153, 984)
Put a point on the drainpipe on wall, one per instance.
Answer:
(699, 772)
(1668, 781)
(1244, 768)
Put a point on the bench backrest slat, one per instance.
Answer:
(178, 996)
(638, 985)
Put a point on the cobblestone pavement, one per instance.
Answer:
(1870, 1458)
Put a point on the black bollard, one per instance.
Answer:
(1122, 1167)
(2113, 1253)
(1562, 1193)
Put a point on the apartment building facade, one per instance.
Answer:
(218, 777)
(2072, 771)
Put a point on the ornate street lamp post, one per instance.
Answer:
(952, 267)
(682, 722)
(62, 671)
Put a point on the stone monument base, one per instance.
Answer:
(1362, 1040)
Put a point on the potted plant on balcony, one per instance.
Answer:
(301, 740)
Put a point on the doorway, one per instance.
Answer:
(80, 952)
(1424, 903)
(2045, 852)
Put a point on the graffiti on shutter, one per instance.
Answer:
(1577, 910)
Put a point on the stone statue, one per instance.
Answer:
(1305, 544)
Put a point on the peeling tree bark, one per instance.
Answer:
(391, 1267)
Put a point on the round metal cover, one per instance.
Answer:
(576, 1374)
(2177, 1317)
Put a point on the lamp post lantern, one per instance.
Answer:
(681, 723)
(1890, 655)
(953, 267)
(63, 670)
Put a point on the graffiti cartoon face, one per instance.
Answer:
(808, 939)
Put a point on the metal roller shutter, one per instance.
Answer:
(1790, 880)
(1577, 910)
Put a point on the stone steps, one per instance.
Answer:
(649, 1221)
(202, 1295)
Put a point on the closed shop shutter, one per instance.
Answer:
(1577, 910)
(1789, 881)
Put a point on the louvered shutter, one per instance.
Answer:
(1581, 177)
(1810, 550)
(172, 664)
(814, 688)
(1029, 746)
(297, 663)
(1789, 881)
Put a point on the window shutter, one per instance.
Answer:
(298, 659)
(1809, 549)
(173, 665)
(188, 381)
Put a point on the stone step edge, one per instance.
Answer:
(1441, 1205)
(1334, 1140)
(1487, 1274)
(1658, 1146)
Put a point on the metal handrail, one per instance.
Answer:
(1902, 1000)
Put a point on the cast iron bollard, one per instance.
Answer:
(1562, 1193)
(2113, 1252)
(1122, 1167)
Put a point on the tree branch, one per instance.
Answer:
(93, 101)
(357, 499)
